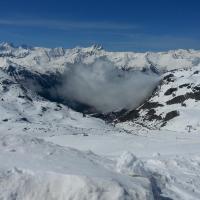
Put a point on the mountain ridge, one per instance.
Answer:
(43, 67)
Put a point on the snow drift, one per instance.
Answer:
(56, 172)
(105, 87)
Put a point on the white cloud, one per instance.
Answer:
(105, 87)
(67, 25)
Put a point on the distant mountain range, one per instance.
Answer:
(28, 75)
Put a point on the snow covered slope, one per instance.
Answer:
(175, 104)
(39, 131)
(24, 111)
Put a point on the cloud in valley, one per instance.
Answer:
(106, 87)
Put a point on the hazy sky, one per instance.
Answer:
(116, 24)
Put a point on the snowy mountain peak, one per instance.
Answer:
(97, 47)
(6, 45)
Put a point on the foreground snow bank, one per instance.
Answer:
(169, 160)
(23, 184)
(31, 168)
(172, 178)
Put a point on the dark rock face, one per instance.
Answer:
(129, 116)
(135, 114)
(25, 97)
(196, 72)
(175, 100)
(169, 78)
(171, 115)
(24, 119)
(182, 98)
(170, 91)
(184, 85)
(150, 105)
(151, 115)
(7, 82)
(196, 88)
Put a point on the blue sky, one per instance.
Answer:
(119, 25)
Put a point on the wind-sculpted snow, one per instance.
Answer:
(169, 160)
(32, 169)
(175, 178)
(105, 87)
